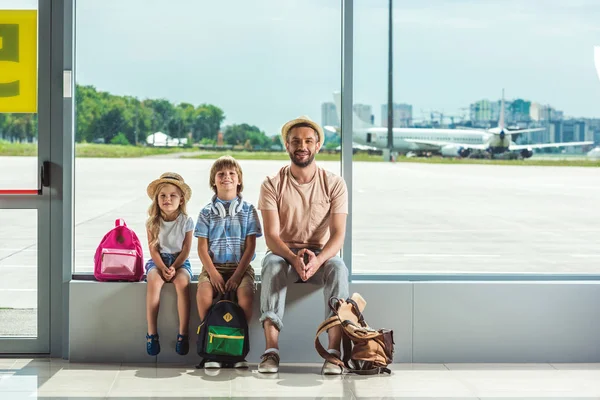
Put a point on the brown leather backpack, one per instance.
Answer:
(366, 351)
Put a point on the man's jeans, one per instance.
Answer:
(275, 273)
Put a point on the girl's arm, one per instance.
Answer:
(185, 250)
(156, 255)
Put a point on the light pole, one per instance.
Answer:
(390, 108)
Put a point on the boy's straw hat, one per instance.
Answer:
(173, 179)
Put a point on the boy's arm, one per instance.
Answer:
(216, 280)
(204, 256)
(249, 248)
(185, 251)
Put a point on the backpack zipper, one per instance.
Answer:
(212, 335)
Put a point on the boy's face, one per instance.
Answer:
(169, 198)
(227, 180)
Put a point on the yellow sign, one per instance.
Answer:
(227, 317)
(18, 61)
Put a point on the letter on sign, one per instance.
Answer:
(18, 61)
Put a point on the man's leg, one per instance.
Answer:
(274, 276)
(334, 276)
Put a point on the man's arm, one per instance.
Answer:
(276, 245)
(271, 230)
(337, 229)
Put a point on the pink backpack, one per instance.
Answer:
(119, 255)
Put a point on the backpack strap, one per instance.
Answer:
(327, 324)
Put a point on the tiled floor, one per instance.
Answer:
(59, 379)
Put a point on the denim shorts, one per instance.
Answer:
(169, 259)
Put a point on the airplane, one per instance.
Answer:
(594, 154)
(467, 142)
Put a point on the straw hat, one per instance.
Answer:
(173, 179)
(302, 120)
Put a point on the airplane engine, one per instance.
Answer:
(526, 153)
(455, 151)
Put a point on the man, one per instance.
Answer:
(304, 210)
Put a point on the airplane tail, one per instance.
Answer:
(501, 119)
(357, 123)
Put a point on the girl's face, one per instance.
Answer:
(169, 199)
(227, 181)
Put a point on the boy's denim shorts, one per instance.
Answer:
(169, 259)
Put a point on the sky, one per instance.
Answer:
(267, 61)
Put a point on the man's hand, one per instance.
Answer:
(313, 264)
(216, 280)
(298, 264)
(234, 281)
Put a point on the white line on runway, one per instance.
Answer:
(450, 255)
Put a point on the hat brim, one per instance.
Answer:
(187, 191)
(288, 125)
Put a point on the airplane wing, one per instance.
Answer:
(547, 145)
(512, 131)
(436, 144)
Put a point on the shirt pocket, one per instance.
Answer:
(319, 213)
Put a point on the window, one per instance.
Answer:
(209, 76)
(450, 58)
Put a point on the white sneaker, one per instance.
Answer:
(241, 364)
(331, 369)
(212, 365)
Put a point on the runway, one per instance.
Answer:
(406, 218)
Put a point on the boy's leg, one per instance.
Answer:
(204, 299)
(154, 284)
(182, 287)
(245, 297)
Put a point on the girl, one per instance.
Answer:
(227, 229)
(170, 239)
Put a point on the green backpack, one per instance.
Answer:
(223, 335)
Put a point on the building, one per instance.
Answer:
(402, 115)
(540, 112)
(569, 130)
(519, 110)
(329, 116)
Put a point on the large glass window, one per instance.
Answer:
(451, 62)
(212, 77)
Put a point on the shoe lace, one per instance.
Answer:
(270, 356)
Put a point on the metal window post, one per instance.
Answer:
(346, 123)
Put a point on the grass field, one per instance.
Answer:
(118, 151)
(92, 150)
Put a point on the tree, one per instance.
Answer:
(240, 134)
(207, 121)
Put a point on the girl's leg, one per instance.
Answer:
(153, 287)
(245, 297)
(182, 287)
(204, 298)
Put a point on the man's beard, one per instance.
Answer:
(302, 164)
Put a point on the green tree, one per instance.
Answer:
(207, 121)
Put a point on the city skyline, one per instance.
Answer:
(259, 63)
